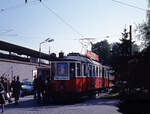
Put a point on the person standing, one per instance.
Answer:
(16, 85)
(35, 86)
(2, 98)
(7, 88)
(46, 89)
(40, 89)
(12, 86)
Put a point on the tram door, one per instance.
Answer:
(44, 73)
(73, 74)
(103, 77)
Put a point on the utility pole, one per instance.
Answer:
(130, 35)
(49, 53)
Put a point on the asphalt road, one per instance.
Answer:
(89, 106)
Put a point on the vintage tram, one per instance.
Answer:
(76, 75)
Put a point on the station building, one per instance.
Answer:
(21, 61)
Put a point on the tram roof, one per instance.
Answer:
(78, 58)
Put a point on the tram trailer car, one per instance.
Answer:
(75, 75)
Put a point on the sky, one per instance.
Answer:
(66, 21)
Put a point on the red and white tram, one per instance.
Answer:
(76, 75)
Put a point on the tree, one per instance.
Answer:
(135, 49)
(120, 57)
(103, 50)
(143, 31)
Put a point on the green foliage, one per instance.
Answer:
(110, 53)
(135, 49)
(144, 33)
(103, 50)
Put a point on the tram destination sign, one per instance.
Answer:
(92, 55)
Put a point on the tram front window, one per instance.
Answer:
(62, 69)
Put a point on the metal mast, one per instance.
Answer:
(86, 42)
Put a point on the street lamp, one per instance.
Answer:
(45, 41)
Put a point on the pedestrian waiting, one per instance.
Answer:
(16, 87)
(35, 86)
(2, 92)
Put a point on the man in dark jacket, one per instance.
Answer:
(16, 85)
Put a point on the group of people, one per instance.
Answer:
(9, 89)
(42, 90)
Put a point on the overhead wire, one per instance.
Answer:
(49, 9)
(62, 19)
(129, 5)
(15, 7)
(75, 30)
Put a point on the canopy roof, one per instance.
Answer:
(23, 50)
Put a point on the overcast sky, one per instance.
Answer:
(66, 21)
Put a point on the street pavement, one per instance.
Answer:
(89, 106)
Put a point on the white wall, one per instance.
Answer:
(15, 68)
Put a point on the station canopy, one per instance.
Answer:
(5, 46)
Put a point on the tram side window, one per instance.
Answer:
(84, 67)
(62, 69)
(100, 72)
(78, 69)
(103, 72)
(72, 69)
(90, 70)
(93, 71)
(96, 71)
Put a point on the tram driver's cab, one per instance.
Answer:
(67, 69)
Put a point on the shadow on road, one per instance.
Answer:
(23, 104)
(28, 103)
(31, 103)
(98, 102)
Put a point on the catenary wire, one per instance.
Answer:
(126, 4)
(15, 6)
(60, 18)
(69, 25)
